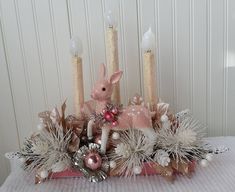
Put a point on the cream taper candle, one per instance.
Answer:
(150, 87)
(76, 51)
(112, 53)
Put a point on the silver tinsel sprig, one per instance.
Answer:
(130, 152)
(184, 143)
(47, 148)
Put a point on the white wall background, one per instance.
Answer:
(195, 48)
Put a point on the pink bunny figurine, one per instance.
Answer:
(138, 117)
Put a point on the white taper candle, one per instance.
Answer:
(150, 86)
(76, 51)
(112, 53)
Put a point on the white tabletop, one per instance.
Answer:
(219, 176)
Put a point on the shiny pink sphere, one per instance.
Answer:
(115, 111)
(108, 116)
(93, 160)
(114, 123)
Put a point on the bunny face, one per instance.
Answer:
(103, 88)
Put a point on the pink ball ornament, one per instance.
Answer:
(93, 160)
(114, 123)
(115, 111)
(108, 116)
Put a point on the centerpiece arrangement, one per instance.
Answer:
(104, 138)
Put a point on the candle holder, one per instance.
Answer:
(105, 139)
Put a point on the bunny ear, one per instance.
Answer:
(115, 77)
(102, 71)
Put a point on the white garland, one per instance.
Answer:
(131, 152)
(47, 150)
(184, 142)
